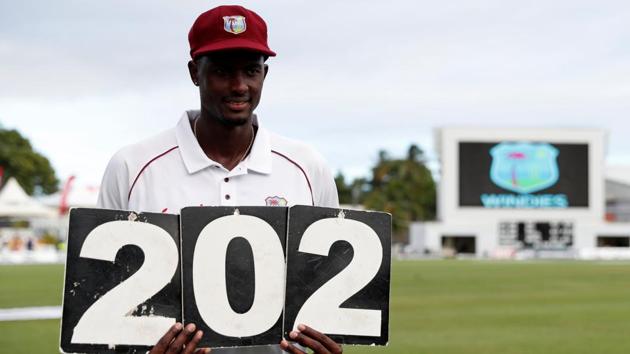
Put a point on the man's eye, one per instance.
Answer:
(253, 71)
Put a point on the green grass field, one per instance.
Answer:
(437, 307)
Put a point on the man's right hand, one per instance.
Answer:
(180, 340)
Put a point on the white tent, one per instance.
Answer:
(15, 203)
(77, 197)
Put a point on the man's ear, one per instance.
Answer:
(266, 70)
(192, 70)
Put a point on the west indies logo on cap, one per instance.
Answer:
(234, 24)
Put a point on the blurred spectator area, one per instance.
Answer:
(618, 193)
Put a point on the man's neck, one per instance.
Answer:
(223, 143)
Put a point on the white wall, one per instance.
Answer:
(429, 235)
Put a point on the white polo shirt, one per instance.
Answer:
(170, 171)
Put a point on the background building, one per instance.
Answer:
(522, 193)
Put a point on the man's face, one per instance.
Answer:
(230, 84)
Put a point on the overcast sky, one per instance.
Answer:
(81, 79)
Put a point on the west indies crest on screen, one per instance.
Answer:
(523, 175)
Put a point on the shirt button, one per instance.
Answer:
(227, 197)
(226, 179)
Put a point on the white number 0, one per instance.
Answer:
(108, 320)
(209, 283)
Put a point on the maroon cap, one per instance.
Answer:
(228, 27)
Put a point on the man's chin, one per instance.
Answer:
(235, 121)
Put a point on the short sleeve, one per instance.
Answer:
(326, 195)
(115, 185)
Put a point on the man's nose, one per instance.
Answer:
(238, 83)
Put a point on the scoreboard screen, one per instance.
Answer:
(523, 175)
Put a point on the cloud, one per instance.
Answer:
(365, 75)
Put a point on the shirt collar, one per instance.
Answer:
(258, 160)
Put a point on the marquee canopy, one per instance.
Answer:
(15, 203)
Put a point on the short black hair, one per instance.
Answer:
(209, 55)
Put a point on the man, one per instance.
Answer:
(221, 155)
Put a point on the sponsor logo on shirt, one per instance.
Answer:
(276, 201)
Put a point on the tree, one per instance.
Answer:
(31, 169)
(351, 193)
(404, 188)
(344, 191)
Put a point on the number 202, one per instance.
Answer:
(108, 320)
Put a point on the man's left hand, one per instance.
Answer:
(310, 338)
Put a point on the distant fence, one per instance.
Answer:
(39, 256)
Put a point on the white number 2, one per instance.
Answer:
(109, 320)
(322, 310)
